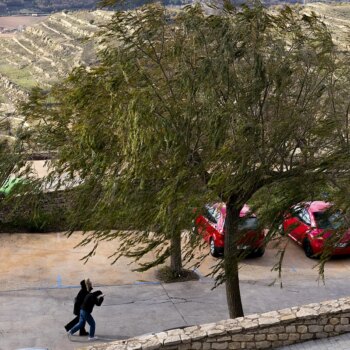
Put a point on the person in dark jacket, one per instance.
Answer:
(86, 288)
(92, 299)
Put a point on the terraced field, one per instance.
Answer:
(48, 50)
(44, 53)
(337, 18)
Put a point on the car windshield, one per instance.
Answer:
(250, 223)
(327, 220)
(211, 214)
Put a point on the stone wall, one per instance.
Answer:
(259, 331)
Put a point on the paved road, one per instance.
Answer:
(342, 342)
(39, 277)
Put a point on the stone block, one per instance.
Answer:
(174, 332)
(233, 329)
(322, 321)
(172, 340)
(250, 345)
(314, 329)
(328, 328)
(207, 326)
(224, 338)
(290, 329)
(277, 343)
(277, 329)
(283, 336)
(266, 321)
(211, 340)
(260, 337)
(321, 335)
(215, 332)
(263, 344)
(294, 336)
(152, 343)
(287, 317)
(306, 336)
(196, 345)
(345, 307)
(134, 345)
(206, 346)
(197, 335)
(190, 329)
(161, 335)
(249, 324)
(272, 337)
(286, 311)
(302, 329)
(243, 337)
(185, 346)
(235, 346)
(270, 314)
(334, 321)
(311, 321)
(342, 328)
(185, 338)
(219, 346)
(306, 312)
(344, 320)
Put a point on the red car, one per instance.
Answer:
(211, 226)
(311, 224)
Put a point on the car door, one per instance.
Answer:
(299, 223)
(207, 223)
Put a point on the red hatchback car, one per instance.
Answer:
(211, 226)
(311, 224)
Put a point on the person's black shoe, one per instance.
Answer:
(83, 333)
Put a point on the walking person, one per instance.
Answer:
(92, 299)
(86, 287)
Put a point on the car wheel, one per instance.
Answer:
(308, 249)
(213, 250)
(259, 252)
(281, 229)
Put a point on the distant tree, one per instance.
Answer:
(190, 109)
(7, 160)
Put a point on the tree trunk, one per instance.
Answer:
(175, 257)
(233, 293)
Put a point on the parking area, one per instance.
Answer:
(40, 274)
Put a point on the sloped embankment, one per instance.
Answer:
(45, 52)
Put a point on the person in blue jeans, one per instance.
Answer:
(92, 299)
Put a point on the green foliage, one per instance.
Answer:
(236, 106)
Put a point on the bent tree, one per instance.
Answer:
(185, 109)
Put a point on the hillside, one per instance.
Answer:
(337, 18)
(43, 6)
(45, 52)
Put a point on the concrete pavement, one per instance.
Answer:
(35, 317)
(39, 277)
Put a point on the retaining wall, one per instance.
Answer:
(40, 212)
(259, 331)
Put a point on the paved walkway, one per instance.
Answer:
(39, 276)
(341, 342)
(34, 317)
